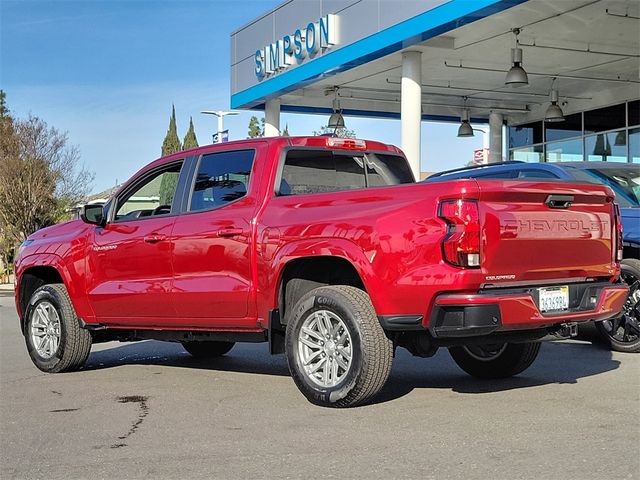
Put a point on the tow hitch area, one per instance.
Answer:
(563, 331)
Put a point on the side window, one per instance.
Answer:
(536, 174)
(222, 178)
(153, 197)
(497, 175)
(321, 171)
(383, 170)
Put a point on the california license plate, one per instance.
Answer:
(554, 298)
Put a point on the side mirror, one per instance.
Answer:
(92, 214)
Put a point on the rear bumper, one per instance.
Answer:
(456, 315)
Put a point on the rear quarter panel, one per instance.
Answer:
(391, 235)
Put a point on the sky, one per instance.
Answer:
(107, 72)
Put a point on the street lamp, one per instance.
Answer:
(220, 114)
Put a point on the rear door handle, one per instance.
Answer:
(154, 238)
(230, 232)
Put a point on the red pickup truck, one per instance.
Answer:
(326, 249)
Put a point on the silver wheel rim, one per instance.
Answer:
(325, 348)
(45, 329)
(485, 353)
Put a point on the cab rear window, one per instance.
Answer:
(322, 171)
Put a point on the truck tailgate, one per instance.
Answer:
(545, 231)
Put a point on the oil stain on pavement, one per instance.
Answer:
(142, 413)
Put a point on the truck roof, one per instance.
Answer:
(318, 141)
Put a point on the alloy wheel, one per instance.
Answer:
(325, 348)
(45, 329)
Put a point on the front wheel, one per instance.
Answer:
(55, 340)
(500, 360)
(338, 354)
(623, 333)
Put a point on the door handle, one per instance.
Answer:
(230, 232)
(154, 238)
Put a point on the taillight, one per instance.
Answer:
(618, 220)
(346, 143)
(461, 246)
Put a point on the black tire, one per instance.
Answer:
(75, 342)
(501, 361)
(208, 349)
(622, 333)
(371, 350)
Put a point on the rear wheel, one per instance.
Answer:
(623, 333)
(55, 340)
(208, 349)
(499, 360)
(338, 354)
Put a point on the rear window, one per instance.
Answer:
(321, 171)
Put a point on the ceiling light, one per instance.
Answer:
(554, 112)
(465, 129)
(516, 76)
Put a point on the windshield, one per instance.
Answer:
(625, 182)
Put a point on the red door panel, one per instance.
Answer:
(212, 263)
(129, 270)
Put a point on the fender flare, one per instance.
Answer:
(52, 260)
(320, 247)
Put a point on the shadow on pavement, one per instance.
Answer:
(558, 362)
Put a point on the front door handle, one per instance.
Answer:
(230, 232)
(154, 238)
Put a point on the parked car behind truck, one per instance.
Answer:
(621, 333)
(328, 250)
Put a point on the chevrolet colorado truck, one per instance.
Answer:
(329, 251)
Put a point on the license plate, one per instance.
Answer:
(554, 298)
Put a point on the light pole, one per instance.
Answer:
(220, 114)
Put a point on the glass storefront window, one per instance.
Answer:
(566, 151)
(606, 147)
(527, 154)
(634, 145)
(528, 134)
(634, 113)
(571, 127)
(606, 118)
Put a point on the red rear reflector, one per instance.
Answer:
(461, 246)
(346, 143)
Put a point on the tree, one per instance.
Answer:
(4, 112)
(285, 132)
(255, 130)
(190, 140)
(40, 177)
(171, 143)
(339, 132)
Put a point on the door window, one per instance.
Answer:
(222, 178)
(152, 197)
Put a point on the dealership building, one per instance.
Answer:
(554, 80)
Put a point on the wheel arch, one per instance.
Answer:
(318, 262)
(311, 272)
(32, 278)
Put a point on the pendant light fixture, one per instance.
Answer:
(554, 113)
(516, 76)
(336, 120)
(465, 129)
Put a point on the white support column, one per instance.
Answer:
(411, 108)
(272, 118)
(495, 137)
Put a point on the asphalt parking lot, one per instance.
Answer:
(148, 410)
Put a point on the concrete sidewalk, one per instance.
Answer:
(6, 287)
